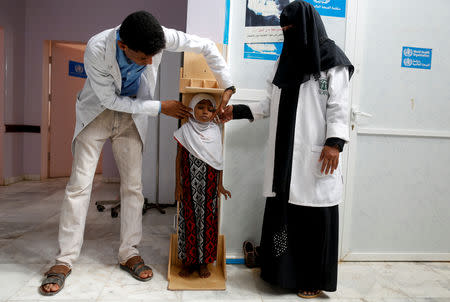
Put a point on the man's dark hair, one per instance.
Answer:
(140, 31)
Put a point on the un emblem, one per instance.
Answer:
(408, 52)
(79, 68)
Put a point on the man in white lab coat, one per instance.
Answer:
(115, 103)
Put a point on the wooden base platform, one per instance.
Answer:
(218, 270)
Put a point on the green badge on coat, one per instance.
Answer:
(323, 86)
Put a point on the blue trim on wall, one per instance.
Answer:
(235, 261)
(227, 22)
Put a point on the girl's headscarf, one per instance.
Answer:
(202, 140)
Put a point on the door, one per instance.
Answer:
(67, 79)
(397, 195)
(2, 99)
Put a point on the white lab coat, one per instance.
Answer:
(321, 114)
(103, 84)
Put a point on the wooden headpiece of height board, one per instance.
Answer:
(196, 77)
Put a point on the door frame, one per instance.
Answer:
(45, 117)
(2, 99)
(352, 36)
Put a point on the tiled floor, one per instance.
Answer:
(29, 213)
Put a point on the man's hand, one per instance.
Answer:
(175, 109)
(223, 103)
(227, 114)
(330, 158)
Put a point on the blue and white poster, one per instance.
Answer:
(413, 57)
(76, 69)
(263, 51)
(330, 8)
(263, 36)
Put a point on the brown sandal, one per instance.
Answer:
(57, 274)
(309, 294)
(135, 266)
(249, 254)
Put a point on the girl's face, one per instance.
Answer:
(203, 111)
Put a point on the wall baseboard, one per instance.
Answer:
(111, 179)
(437, 257)
(13, 179)
(234, 254)
(33, 177)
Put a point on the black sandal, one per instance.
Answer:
(258, 256)
(135, 266)
(55, 275)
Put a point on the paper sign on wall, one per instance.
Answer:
(413, 57)
(263, 51)
(263, 36)
(76, 69)
(330, 8)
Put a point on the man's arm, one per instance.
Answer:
(102, 84)
(179, 41)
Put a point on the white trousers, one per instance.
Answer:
(127, 149)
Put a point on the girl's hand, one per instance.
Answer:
(178, 192)
(224, 192)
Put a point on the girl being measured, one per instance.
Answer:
(199, 166)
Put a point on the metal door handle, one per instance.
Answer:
(356, 113)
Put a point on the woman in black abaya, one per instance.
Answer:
(299, 241)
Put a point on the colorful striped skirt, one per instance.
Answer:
(198, 215)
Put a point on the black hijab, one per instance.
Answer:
(306, 49)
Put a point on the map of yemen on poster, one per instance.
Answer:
(262, 17)
(263, 37)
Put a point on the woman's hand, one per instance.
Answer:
(224, 192)
(227, 114)
(330, 158)
(178, 192)
(223, 103)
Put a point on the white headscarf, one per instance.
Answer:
(202, 140)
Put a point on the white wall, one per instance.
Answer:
(206, 19)
(12, 19)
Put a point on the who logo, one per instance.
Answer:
(407, 62)
(407, 52)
